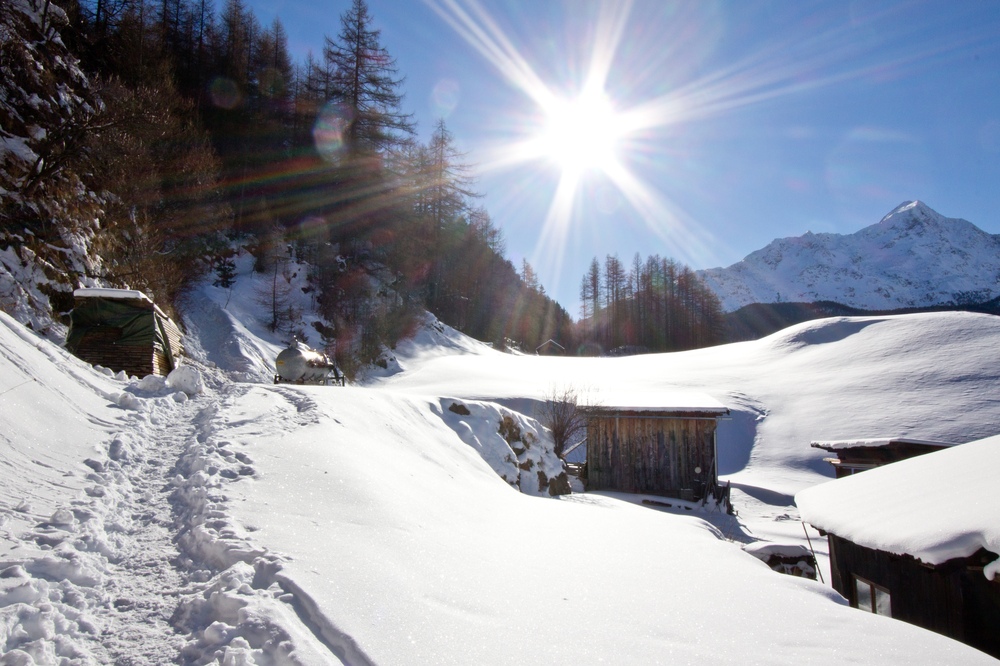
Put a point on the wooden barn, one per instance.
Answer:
(123, 329)
(667, 448)
(919, 540)
(858, 455)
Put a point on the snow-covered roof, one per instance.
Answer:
(873, 442)
(656, 401)
(935, 507)
(765, 549)
(119, 294)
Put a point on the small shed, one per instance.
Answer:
(789, 559)
(857, 455)
(919, 540)
(550, 348)
(656, 444)
(123, 329)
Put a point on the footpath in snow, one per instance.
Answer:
(116, 546)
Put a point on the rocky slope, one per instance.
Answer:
(914, 257)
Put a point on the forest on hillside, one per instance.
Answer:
(652, 305)
(144, 142)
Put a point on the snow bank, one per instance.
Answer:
(516, 447)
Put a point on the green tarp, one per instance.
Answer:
(136, 323)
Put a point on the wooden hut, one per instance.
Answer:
(658, 445)
(123, 329)
(857, 455)
(550, 348)
(918, 540)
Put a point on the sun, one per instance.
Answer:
(579, 134)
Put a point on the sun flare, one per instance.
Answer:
(580, 134)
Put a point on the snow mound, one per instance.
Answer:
(515, 446)
(186, 379)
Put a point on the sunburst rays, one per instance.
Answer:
(826, 54)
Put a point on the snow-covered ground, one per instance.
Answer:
(240, 522)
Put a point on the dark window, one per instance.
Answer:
(871, 597)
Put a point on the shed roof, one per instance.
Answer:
(655, 402)
(135, 296)
(550, 342)
(935, 507)
(119, 294)
(874, 442)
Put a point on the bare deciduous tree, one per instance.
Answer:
(563, 415)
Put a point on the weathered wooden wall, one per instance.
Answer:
(98, 348)
(954, 599)
(650, 454)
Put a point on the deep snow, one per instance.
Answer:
(241, 522)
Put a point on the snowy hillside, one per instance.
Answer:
(926, 376)
(913, 257)
(219, 522)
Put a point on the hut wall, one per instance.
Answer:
(98, 348)
(655, 455)
(954, 599)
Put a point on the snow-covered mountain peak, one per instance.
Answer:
(913, 257)
(912, 209)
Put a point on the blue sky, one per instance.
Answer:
(746, 121)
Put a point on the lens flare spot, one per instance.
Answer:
(225, 93)
(445, 96)
(330, 131)
(272, 84)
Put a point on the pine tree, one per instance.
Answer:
(366, 83)
(225, 271)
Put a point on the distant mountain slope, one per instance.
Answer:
(757, 320)
(914, 257)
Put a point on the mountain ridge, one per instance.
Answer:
(913, 257)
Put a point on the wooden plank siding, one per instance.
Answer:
(954, 598)
(650, 453)
(100, 346)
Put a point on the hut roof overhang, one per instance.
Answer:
(934, 507)
(877, 442)
(656, 404)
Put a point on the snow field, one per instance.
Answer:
(401, 533)
(260, 524)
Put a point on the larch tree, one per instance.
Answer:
(444, 192)
(367, 84)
